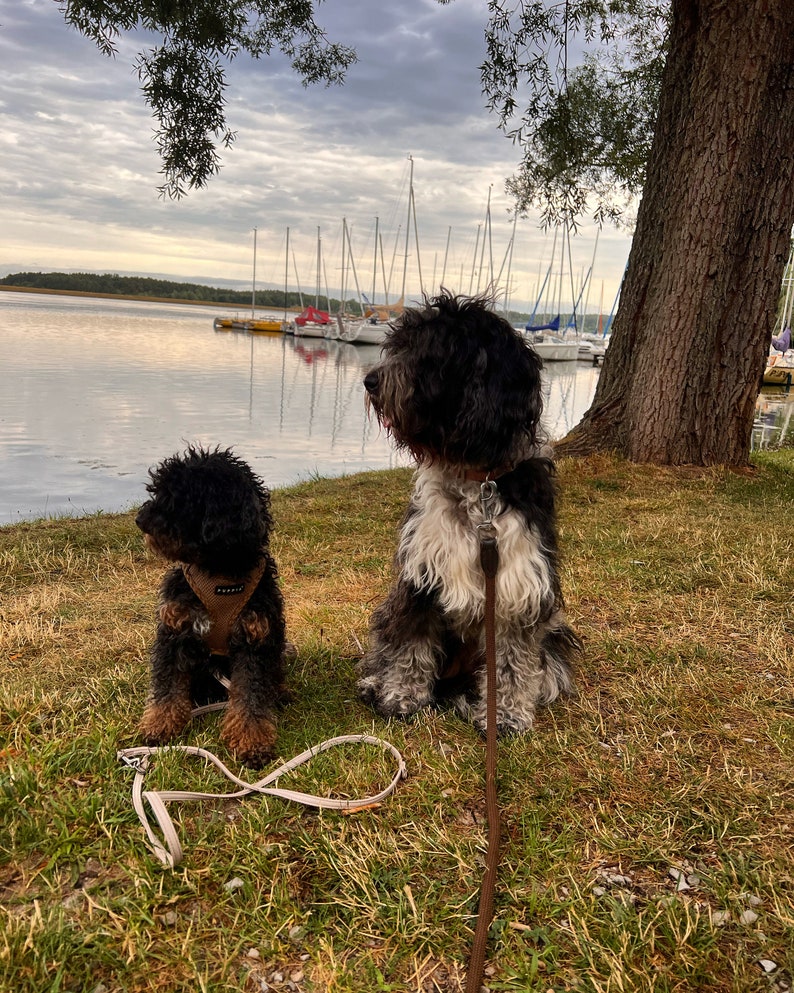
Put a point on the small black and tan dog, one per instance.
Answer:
(220, 608)
(460, 389)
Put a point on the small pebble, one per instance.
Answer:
(680, 878)
(748, 917)
(253, 953)
(720, 917)
(296, 976)
(767, 965)
(233, 884)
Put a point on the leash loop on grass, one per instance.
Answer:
(169, 850)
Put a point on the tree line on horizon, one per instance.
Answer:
(148, 286)
(167, 289)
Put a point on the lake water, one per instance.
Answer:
(94, 392)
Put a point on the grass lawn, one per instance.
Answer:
(648, 823)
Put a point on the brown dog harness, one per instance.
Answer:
(224, 600)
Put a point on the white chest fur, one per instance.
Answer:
(439, 549)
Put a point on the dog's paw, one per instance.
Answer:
(164, 720)
(507, 726)
(508, 723)
(390, 702)
(253, 740)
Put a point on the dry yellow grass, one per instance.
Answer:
(675, 758)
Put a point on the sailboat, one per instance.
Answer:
(262, 325)
(549, 346)
(372, 328)
(313, 322)
(365, 330)
(253, 324)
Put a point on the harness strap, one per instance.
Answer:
(488, 475)
(169, 850)
(224, 599)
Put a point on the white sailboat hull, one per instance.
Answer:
(556, 351)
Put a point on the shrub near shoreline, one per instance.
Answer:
(647, 822)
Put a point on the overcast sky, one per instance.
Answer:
(79, 170)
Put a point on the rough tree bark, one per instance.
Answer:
(689, 341)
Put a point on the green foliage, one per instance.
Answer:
(163, 289)
(183, 77)
(585, 129)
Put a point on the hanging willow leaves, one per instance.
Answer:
(183, 76)
(576, 86)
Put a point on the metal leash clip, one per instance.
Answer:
(488, 493)
(486, 532)
(138, 763)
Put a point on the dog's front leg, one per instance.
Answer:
(173, 655)
(520, 683)
(397, 676)
(249, 724)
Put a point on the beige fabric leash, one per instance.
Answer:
(169, 850)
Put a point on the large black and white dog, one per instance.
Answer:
(460, 389)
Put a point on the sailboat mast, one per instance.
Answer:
(446, 256)
(317, 289)
(253, 281)
(286, 276)
(489, 287)
(416, 240)
(509, 264)
(383, 271)
(344, 266)
(375, 263)
(474, 260)
(590, 279)
(408, 224)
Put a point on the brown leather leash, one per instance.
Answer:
(489, 561)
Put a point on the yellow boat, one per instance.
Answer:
(264, 325)
(228, 324)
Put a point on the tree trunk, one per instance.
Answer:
(691, 335)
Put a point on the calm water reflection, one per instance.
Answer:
(95, 392)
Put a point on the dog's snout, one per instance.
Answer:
(371, 381)
(142, 517)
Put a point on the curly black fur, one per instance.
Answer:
(457, 384)
(459, 388)
(207, 509)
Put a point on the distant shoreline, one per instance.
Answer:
(140, 299)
